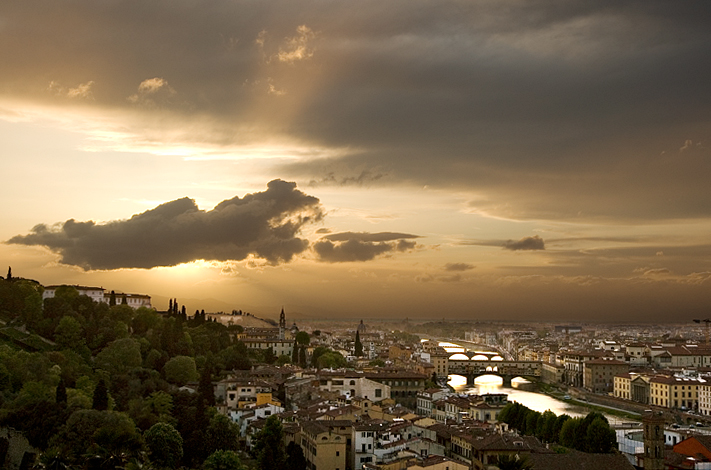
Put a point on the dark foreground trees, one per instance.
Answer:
(589, 434)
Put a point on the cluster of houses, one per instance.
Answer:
(395, 416)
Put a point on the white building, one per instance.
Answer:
(353, 385)
(98, 294)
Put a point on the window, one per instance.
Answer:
(378, 393)
(337, 454)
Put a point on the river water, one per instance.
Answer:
(535, 401)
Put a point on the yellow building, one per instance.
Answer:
(440, 361)
(674, 392)
(324, 446)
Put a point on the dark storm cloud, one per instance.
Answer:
(526, 243)
(361, 246)
(458, 267)
(547, 109)
(264, 224)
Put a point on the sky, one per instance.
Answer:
(484, 160)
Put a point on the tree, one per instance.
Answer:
(69, 333)
(100, 400)
(9, 274)
(165, 445)
(295, 457)
(283, 359)
(317, 353)
(92, 432)
(546, 427)
(303, 337)
(358, 345)
(269, 356)
(567, 433)
(331, 360)
(112, 299)
(222, 434)
(120, 356)
(295, 353)
(269, 445)
(180, 370)
(223, 460)
(61, 393)
(514, 462)
(532, 418)
(205, 387)
(302, 356)
(558, 427)
(600, 438)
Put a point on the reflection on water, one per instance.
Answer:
(534, 401)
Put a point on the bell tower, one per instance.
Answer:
(282, 325)
(653, 423)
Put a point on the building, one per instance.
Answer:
(325, 444)
(705, 399)
(280, 347)
(353, 384)
(426, 398)
(674, 392)
(573, 363)
(98, 294)
(439, 358)
(404, 384)
(599, 374)
(238, 393)
(552, 373)
(653, 441)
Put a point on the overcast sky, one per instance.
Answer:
(457, 159)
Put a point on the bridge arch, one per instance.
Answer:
(459, 357)
(479, 357)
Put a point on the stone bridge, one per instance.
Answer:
(507, 370)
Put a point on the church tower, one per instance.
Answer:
(282, 325)
(653, 423)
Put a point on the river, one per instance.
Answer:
(535, 401)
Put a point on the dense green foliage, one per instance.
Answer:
(269, 445)
(93, 385)
(589, 434)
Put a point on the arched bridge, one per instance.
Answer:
(476, 356)
(473, 368)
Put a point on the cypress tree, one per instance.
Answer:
(61, 394)
(302, 356)
(295, 353)
(101, 396)
(205, 388)
(9, 274)
(358, 345)
(112, 299)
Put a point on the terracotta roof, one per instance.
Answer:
(579, 461)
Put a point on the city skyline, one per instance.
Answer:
(480, 160)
